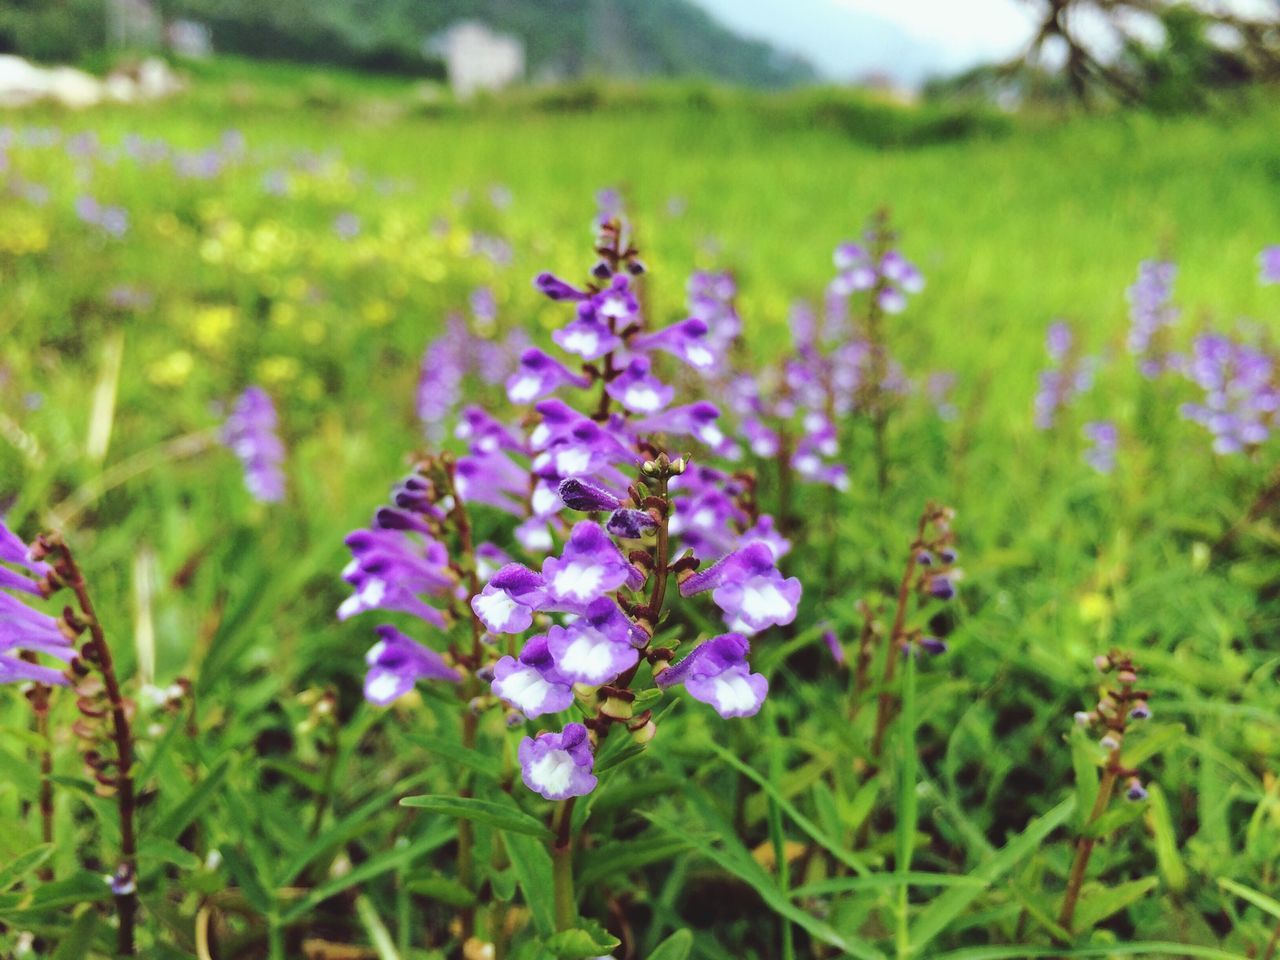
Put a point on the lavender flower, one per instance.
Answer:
(1241, 397)
(748, 588)
(1269, 265)
(558, 766)
(1151, 313)
(23, 629)
(1103, 438)
(397, 662)
(1069, 377)
(717, 673)
(250, 433)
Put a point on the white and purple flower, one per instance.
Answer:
(558, 766)
(717, 673)
(396, 662)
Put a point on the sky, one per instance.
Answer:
(909, 39)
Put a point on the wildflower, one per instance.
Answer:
(397, 662)
(717, 673)
(748, 588)
(598, 646)
(1150, 313)
(1269, 265)
(24, 630)
(251, 434)
(532, 683)
(1241, 397)
(1069, 376)
(558, 765)
(1103, 438)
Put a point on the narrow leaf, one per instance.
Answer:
(499, 815)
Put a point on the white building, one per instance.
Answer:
(477, 58)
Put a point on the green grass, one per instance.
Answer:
(1014, 226)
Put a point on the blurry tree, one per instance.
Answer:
(52, 30)
(1105, 47)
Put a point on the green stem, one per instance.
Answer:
(566, 905)
(1085, 845)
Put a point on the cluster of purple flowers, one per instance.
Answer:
(1069, 376)
(597, 604)
(1241, 395)
(251, 433)
(465, 349)
(112, 220)
(400, 564)
(1151, 314)
(24, 630)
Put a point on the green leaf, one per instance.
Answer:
(444, 889)
(833, 846)
(504, 884)
(23, 864)
(1098, 903)
(675, 947)
(177, 819)
(1260, 900)
(83, 887)
(166, 851)
(249, 880)
(1151, 739)
(532, 864)
(908, 803)
(937, 916)
(1120, 815)
(503, 816)
(482, 763)
(885, 881)
(1131, 949)
(1086, 757)
(378, 933)
(1168, 857)
(75, 945)
(736, 860)
(373, 867)
(584, 943)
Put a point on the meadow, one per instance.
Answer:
(312, 236)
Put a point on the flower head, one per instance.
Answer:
(717, 673)
(251, 434)
(397, 662)
(558, 765)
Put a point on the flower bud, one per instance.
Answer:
(1083, 718)
(1110, 742)
(616, 708)
(1135, 791)
(1103, 663)
(580, 494)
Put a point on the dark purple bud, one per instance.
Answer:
(1136, 791)
(602, 271)
(1140, 711)
(579, 494)
(635, 267)
(630, 524)
(555, 288)
(947, 555)
(924, 558)
(485, 674)
(389, 519)
(941, 588)
(933, 645)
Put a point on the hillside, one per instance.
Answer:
(564, 39)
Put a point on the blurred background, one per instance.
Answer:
(1007, 52)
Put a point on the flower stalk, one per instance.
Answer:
(114, 776)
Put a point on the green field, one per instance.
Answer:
(107, 413)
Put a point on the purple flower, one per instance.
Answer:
(397, 662)
(833, 644)
(508, 600)
(596, 647)
(586, 495)
(532, 684)
(24, 629)
(717, 673)
(637, 390)
(748, 588)
(558, 765)
(589, 566)
(587, 336)
(250, 433)
(395, 563)
(1241, 397)
(628, 524)
(686, 340)
(1065, 380)
(1151, 313)
(556, 289)
(1103, 438)
(1269, 265)
(540, 375)
(346, 225)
